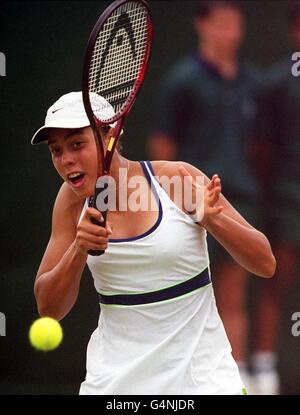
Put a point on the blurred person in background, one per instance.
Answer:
(279, 158)
(205, 115)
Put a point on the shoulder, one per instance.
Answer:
(252, 74)
(171, 169)
(186, 65)
(181, 71)
(172, 179)
(68, 205)
(281, 69)
(278, 76)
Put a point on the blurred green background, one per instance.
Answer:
(44, 45)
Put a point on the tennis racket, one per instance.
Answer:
(115, 63)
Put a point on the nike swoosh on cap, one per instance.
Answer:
(56, 110)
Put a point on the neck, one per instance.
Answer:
(120, 170)
(226, 63)
(118, 162)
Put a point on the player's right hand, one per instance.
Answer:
(91, 237)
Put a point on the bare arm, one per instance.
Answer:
(58, 278)
(248, 246)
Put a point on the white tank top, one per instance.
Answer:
(174, 346)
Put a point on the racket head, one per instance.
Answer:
(116, 60)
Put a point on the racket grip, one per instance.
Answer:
(92, 203)
(96, 222)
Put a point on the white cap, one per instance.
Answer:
(69, 112)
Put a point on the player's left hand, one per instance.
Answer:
(210, 195)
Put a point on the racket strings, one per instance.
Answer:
(119, 54)
(115, 59)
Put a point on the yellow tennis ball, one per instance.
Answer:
(45, 334)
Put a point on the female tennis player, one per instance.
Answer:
(159, 329)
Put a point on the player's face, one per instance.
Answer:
(223, 29)
(74, 156)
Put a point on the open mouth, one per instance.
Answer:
(76, 178)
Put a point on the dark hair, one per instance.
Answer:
(293, 14)
(204, 8)
(105, 129)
